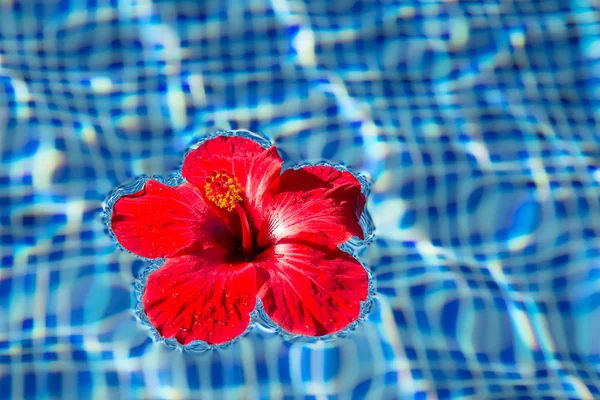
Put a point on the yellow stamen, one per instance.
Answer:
(222, 190)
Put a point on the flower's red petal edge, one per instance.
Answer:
(165, 221)
(195, 346)
(366, 302)
(365, 221)
(201, 298)
(343, 225)
(126, 189)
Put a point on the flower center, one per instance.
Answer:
(226, 193)
(222, 190)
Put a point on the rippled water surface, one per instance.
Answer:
(477, 124)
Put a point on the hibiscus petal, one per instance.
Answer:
(200, 298)
(312, 290)
(164, 221)
(319, 204)
(255, 167)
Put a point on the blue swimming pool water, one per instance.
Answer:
(477, 123)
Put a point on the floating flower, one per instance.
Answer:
(238, 228)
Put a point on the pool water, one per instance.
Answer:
(477, 124)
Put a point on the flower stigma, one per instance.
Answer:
(222, 190)
(226, 192)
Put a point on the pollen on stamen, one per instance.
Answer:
(222, 190)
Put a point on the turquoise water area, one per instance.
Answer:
(476, 121)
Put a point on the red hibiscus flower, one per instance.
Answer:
(238, 228)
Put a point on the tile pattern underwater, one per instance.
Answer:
(476, 122)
